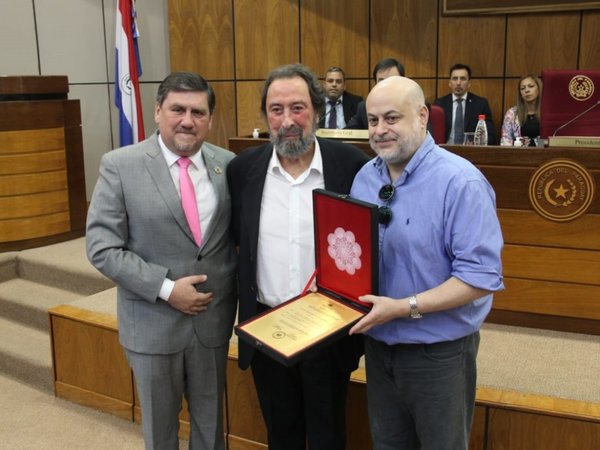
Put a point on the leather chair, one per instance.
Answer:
(437, 117)
(567, 94)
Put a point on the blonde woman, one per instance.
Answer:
(523, 120)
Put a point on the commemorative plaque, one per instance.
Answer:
(347, 266)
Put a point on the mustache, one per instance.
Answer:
(293, 129)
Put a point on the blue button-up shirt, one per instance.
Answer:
(444, 225)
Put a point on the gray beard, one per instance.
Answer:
(292, 149)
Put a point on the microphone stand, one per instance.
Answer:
(576, 117)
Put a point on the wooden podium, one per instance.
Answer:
(42, 181)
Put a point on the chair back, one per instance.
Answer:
(565, 95)
(437, 117)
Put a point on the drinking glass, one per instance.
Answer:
(469, 138)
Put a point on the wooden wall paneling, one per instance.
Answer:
(552, 264)
(493, 90)
(511, 430)
(541, 41)
(429, 88)
(335, 33)
(458, 7)
(475, 41)
(549, 297)
(528, 227)
(406, 31)
(224, 122)
(589, 50)
(511, 93)
(201, 37)
(358, 87)
(248, 108)
(266, 36)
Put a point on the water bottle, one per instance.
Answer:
(481, 135)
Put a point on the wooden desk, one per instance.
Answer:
(551, 269)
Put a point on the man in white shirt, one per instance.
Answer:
(271, 191)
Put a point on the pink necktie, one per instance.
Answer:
(188, 198)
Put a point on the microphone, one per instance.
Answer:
(583, 113)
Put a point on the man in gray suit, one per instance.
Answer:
(176, 292)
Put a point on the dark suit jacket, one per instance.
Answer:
(350, 104)
(359, 120)
(246, 176)
(475, 105)
(137, 235)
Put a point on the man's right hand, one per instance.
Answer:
(186, 298)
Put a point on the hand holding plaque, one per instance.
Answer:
(347, 267)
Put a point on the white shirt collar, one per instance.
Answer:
(316, 163)
(172, 158)
(464, 97)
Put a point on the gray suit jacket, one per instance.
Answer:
(137, 235)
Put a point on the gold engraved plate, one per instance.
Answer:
(342, 134)
(561, 190)
(301, 323)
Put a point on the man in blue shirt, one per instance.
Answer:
(440, 243)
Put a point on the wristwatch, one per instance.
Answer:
(414, 308)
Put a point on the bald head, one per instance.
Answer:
(400, 88)
(397, 118)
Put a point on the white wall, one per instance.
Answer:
(77, 38)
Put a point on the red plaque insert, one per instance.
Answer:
(347, 262)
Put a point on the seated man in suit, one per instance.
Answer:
(469, 104)
(385, 68)
(340, 105)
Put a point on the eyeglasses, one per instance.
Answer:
(385, 212)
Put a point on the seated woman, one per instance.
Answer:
(523, 120)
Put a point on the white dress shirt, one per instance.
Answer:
(286, 253)
(454, 103)
(206, 198)
(339, 110)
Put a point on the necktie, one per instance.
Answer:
(188, 198)
(332, 115)
(459, 123)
